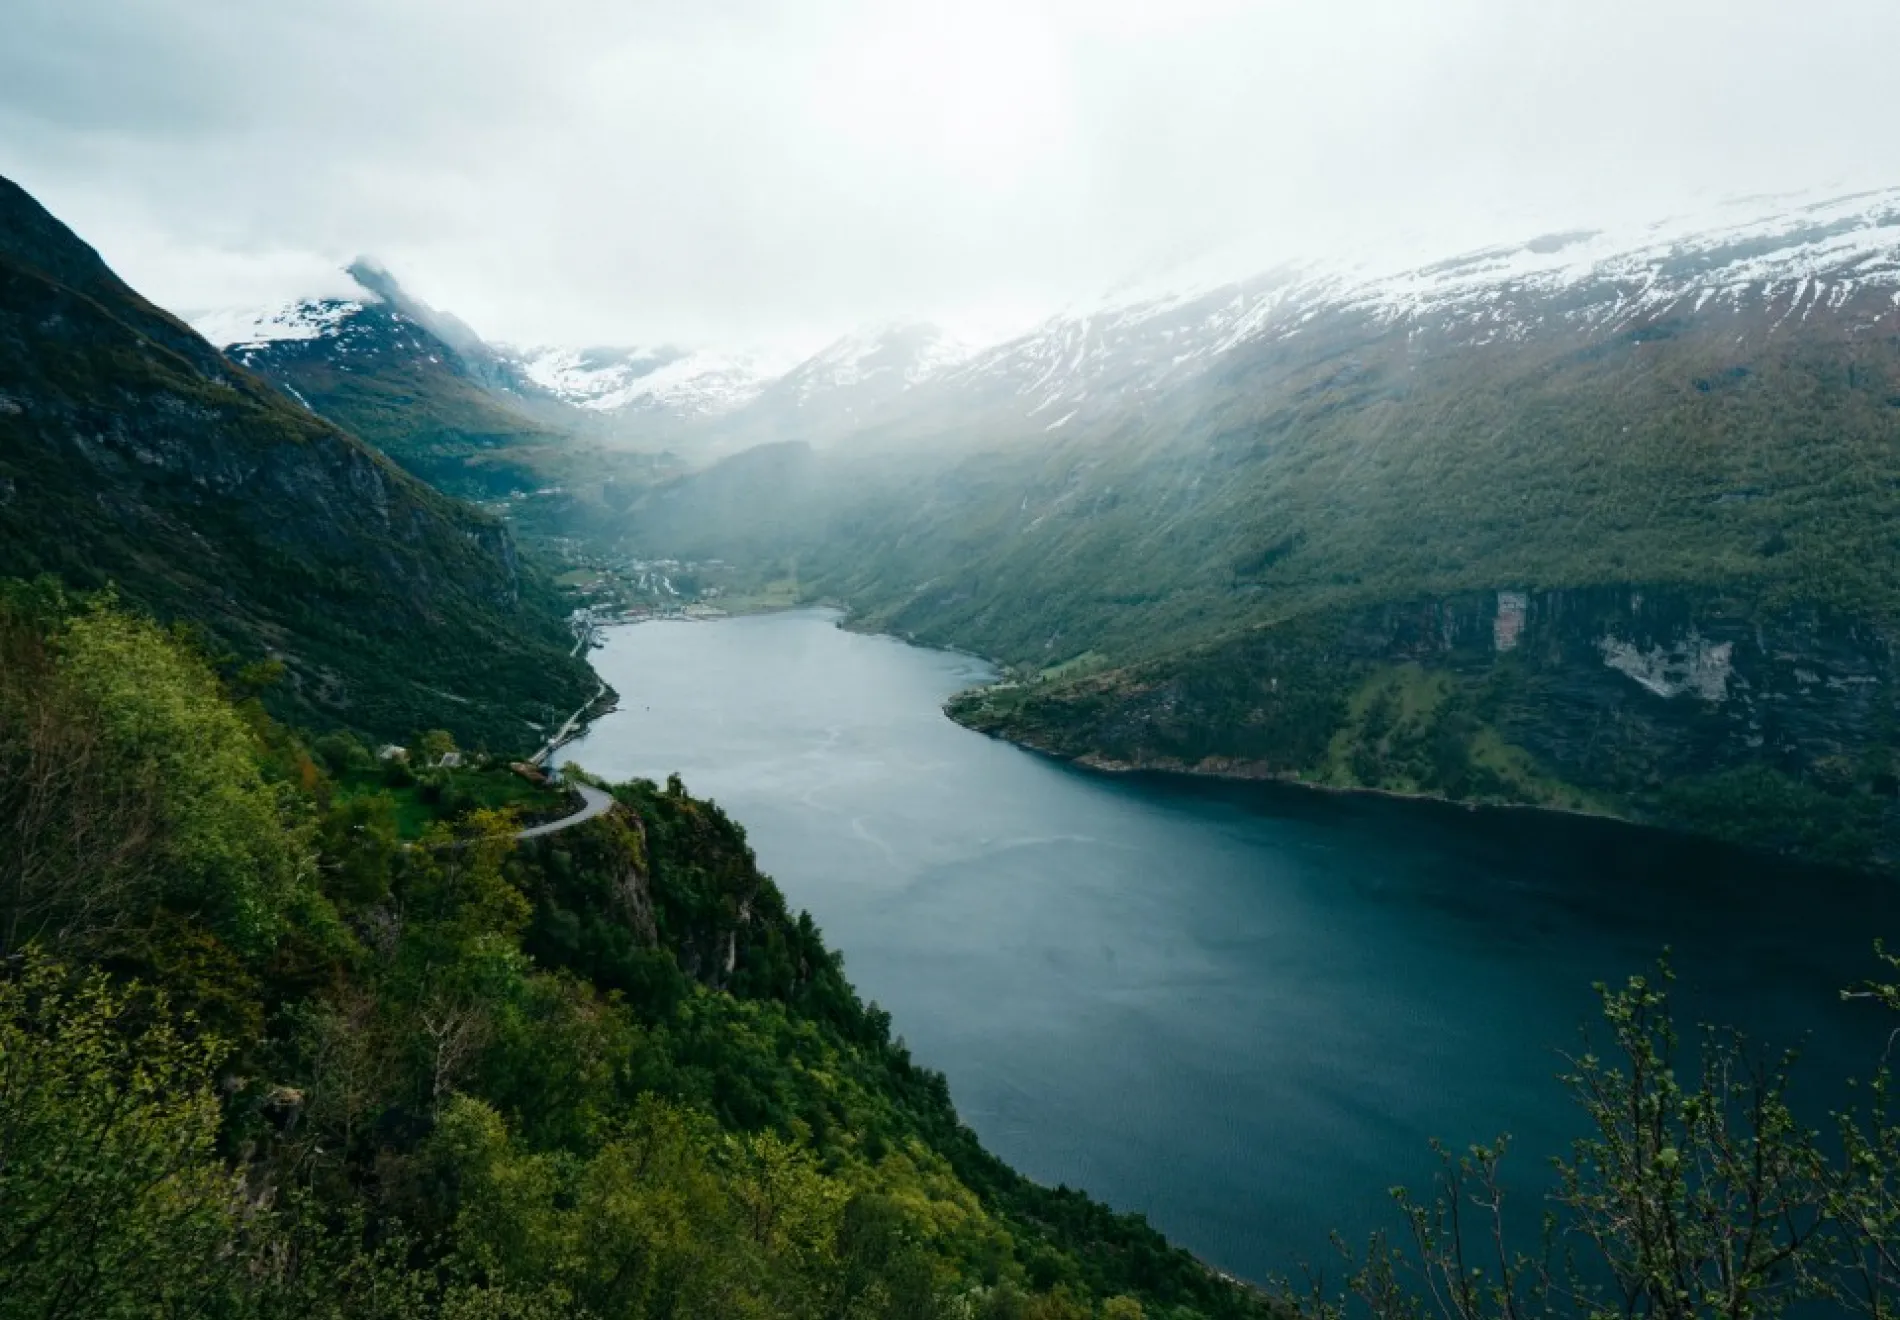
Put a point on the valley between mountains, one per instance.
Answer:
(298, 1019)
(301, 1016)
(885, 660)
(1601, 521)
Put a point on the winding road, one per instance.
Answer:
(594, 803)
(561, 734)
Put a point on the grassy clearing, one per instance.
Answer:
(778, 594)
(1076, 666)
(420, 801)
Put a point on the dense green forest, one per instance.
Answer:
(260, 1055)
(264, 1054)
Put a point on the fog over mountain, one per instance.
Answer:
(1233, 557)
(768, 176)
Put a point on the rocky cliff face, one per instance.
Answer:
(1712, 685)
(1630, 688)
(1678, 707)
(133, 453)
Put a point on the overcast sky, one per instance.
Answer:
(620, 171)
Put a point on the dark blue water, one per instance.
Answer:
(1243, 1010)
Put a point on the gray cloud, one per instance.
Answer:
(599, 170)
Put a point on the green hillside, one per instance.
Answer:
(133, 454)
(1374, 498)
(384, 374)
(261, 1057)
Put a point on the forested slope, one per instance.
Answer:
(132, 453)
(1621, 541)
(417, 384)
(258, 1057)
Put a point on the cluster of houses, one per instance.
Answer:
(542, 776)
(446, 761)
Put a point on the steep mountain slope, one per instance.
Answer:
(131, 452)
(605, 1074)
(1580, 521)
(1150, 340)
(416, 383)
(486, 419)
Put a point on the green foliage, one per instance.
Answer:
(78, 829)
(668, 1217)
(345, 592)
(606, 1073)
(1697, 1195)
(232, 850)
(413, 802)
(113, 1200)
(342, 753)
(1763, 808)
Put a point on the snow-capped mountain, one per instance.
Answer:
(853, 382)
(1774, 264)
(311, 319)
(884, 360)
(748, 396)
(1786, 261)
(375, 326)
(687, 383)
(705, 400)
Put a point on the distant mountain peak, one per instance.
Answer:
(371, 285)
(376, 278)
(888, 357)
(689, 383)
(313, 318)
(1787, 257)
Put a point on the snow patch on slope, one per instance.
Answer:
(302, 320)
(698, 384)
(894, 356)
(1821, 248)
(1793, 256)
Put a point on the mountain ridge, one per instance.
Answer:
(136, 454)
(701, 401)
(1153, 534)
(1129, 498)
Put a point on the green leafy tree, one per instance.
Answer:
(434, 745)
(1691, 1198)
(79, 827)
(228, 849)
(113, 1201)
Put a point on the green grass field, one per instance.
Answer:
(448, 795)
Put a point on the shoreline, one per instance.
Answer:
(1104, 766)
(1101, 765)
(1216, 769)
(1238, 773)
(1095, 765)
(579, 722)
